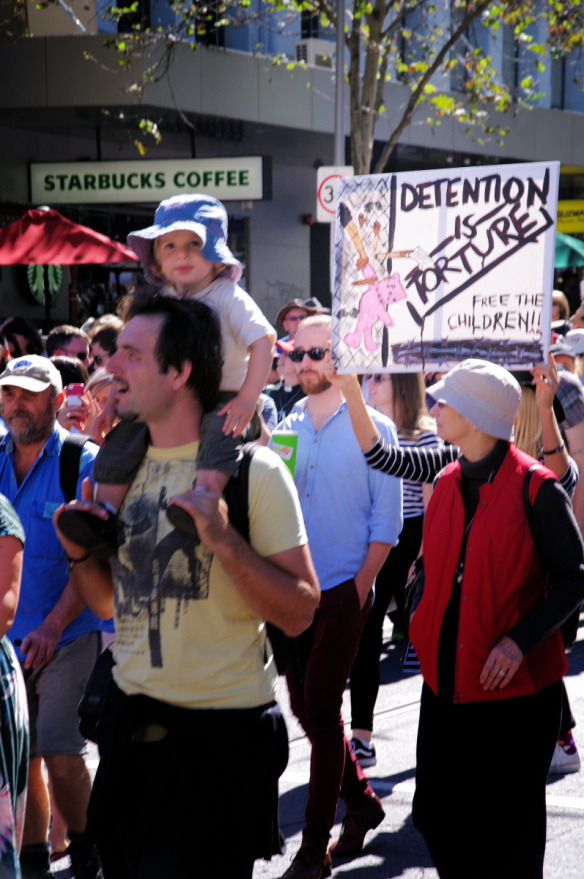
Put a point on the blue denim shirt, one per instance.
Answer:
(346, 505)
(44, 573)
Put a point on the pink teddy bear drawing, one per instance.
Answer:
(373, 308)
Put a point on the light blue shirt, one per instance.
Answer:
(44, 573)
(346, 505)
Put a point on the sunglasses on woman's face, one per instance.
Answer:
(297, 356)
(377, 378)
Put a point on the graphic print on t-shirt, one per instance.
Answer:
(157, 569)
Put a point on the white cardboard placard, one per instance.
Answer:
(433, 267)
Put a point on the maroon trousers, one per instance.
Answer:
(317, 676)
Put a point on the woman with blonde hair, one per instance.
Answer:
(400, 396)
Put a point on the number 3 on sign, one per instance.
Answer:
(326, 190)
(328, 194)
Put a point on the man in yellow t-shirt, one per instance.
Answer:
(191, 716)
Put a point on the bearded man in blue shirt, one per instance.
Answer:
(58, 638)
(353, 516)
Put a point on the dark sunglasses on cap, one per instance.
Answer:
(297, 356)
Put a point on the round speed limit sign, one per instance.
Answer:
(326, 191)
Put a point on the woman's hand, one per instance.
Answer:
(501, 665)
(74, 416)
(347, 384)
(545, 381)
(94, 425)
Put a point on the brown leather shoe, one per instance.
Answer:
(309, 864)
(354, 828)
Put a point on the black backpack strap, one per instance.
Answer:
(69, 461)
(236, 495)
(237, 492)
(530, 490)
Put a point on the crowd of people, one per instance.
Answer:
(141, 511)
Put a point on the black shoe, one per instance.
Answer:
(84, 861)
(35, 861)
(183, 522)
(365, 753)
(97, 536)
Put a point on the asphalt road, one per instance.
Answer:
(396, 848)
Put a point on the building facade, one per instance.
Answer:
(66, 101)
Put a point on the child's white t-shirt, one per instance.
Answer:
(242, 323)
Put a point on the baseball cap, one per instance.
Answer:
(564, 346)
(576, 339)
(32, 373)
(201, 214)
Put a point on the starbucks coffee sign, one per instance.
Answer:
(240, 178)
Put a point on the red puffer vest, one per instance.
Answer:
(502, 581)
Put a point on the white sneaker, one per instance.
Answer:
(566, 757)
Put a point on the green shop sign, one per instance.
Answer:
(242, 178)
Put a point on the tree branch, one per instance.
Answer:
(418, 91)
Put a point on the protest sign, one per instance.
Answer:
(433, 267)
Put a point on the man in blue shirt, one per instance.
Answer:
(57, 636)
(353, 515)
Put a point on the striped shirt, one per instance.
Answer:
(413, 503)
(424, 464)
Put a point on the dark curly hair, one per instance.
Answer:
(190, 332)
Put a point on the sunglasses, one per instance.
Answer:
(297, 356)
(100, 359)
(377, 378)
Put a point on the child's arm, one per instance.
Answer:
(240, 409)
(104, 420)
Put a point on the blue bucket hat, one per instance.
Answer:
(201, 214)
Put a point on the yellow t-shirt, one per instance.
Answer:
(184, 635)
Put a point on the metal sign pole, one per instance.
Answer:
(339, 119)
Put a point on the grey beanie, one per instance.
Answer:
(484, 393)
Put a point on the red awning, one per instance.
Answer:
(45, 237)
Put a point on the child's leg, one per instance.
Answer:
(111, 496)
(228, 456)
(217, 461)
(115, 466)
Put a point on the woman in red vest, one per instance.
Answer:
(504, 567)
